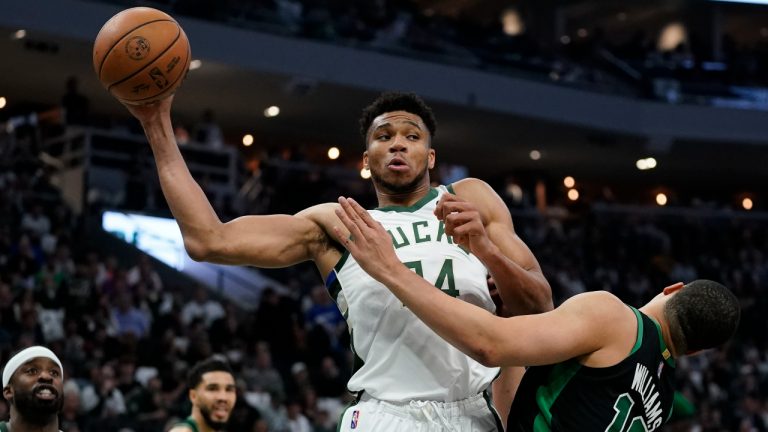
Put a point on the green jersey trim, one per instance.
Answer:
(340, 263)
(665, 352)
(547, 395)
(188, 422)
(450, 189)
(432, 194)
(3, 427)
(639, 341)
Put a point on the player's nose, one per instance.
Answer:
(398, 144)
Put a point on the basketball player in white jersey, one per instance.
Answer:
(406, 377)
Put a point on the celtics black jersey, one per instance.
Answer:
(633, 396)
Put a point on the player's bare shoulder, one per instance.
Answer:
(485, 199)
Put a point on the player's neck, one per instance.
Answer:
(17, 424)
(202, 425)
(402, 199)
(656, 311)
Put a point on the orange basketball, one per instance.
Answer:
(141, 55)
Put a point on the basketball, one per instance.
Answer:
(141, 55)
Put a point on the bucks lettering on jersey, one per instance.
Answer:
(635, 395)
(399, 358)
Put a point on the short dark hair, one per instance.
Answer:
(702, 315)
(397, 101)
(212, 364)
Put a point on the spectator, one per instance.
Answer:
(127, 319)
(74, 104)
(261, 376)
(208, 132)
(202, 308)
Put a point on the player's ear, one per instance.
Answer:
(7, 393)
(365, 159)
(192, 395)
(431, 158)
(673, 288)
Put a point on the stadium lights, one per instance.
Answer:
(333, 153)
(19, 34)
(747, 203)
(573, 194)
(365, 173)
(535, 155)
(247, 140)
(569, 182)
(661, 199)
(272, 111)
(512, 23)
(2, 102)
(195, 64)
(646, 164)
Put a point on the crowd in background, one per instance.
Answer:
(127, 336)
(588, 58)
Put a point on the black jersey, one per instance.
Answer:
(634, 395)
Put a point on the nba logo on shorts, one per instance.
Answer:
(355, 417)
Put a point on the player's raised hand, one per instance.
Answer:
(464, 223)
(368, 242)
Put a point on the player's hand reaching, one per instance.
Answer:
(368, 242)
(464, 223)
(154, 111)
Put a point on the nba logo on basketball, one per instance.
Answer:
(355, 417)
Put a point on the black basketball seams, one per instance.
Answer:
(122, 38)
(178, 34)
(181, 76)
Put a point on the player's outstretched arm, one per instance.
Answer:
(478, 218)
(578, 327)
(264, 241)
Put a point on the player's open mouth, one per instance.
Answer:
(46, 393)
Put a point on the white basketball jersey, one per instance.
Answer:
(398, 358)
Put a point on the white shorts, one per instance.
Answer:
(474, 414)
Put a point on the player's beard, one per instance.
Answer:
(399, 189)
(35, 410)
(205, 411)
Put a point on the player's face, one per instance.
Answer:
(399, 152)
(36, 389)
(215, 397)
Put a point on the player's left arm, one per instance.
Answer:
(477, 218)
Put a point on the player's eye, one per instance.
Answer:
(54, 373)
(32, 371)
(382, 137)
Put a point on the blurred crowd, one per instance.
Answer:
(588, 58)
(127, 336)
